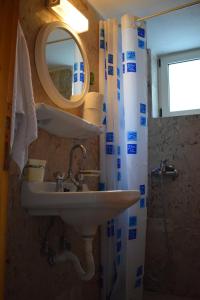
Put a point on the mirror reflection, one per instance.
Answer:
(174, 43)
(65, 63)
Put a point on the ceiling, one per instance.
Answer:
(116, 8)
(175, 31)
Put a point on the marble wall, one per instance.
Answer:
(29, 275)
(173, 234)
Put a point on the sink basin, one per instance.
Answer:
(83, 210)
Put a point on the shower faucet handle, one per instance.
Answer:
(163, 164)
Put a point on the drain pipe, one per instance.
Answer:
(70, 256)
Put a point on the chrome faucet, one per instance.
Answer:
(60, 177)
(165, 169)
(76, 179)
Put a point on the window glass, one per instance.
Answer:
(184, 85)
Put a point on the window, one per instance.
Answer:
(179, 83)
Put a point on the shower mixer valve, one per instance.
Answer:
(165, 169)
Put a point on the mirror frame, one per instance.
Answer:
(43, 72)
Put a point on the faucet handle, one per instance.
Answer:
(59, 181)
(163, 163)
(59, 175)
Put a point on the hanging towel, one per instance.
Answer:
(24, 121)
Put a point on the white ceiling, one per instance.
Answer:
(116, 8)
(175, 31)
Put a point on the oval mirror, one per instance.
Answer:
(62, 64)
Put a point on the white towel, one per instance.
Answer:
(24, 121)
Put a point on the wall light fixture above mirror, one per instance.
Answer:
(62, 65)
(69, 14)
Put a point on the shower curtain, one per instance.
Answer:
(78, 72)
(123, 159)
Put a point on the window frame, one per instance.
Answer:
(163, 80)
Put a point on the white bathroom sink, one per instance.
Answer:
(84, 210)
